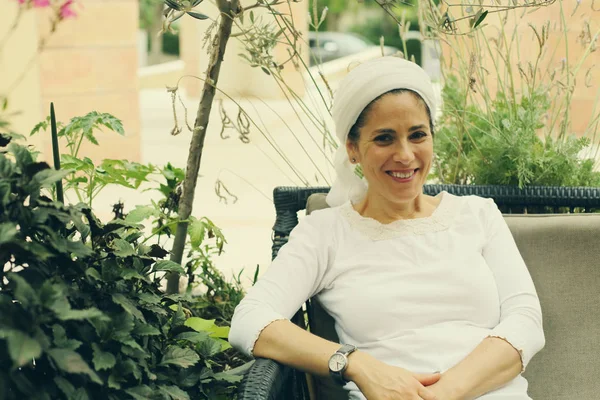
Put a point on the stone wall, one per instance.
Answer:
(89, 63)
(516, 34)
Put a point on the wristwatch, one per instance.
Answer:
(338, 363)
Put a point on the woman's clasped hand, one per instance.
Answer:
(380, 381)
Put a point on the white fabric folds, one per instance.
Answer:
(362, 85)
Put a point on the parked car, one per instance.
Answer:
(327, 46)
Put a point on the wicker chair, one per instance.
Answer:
(535, 236)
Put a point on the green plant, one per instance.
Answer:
(501, 146)
(506, 115)
(86, 179)
(81, 316)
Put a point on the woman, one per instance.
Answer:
(430, 295)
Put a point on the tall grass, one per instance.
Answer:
(509, 96)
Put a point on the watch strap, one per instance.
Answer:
(338, 376)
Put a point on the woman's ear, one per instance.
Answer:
(352, 152)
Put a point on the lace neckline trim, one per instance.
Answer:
(439, 220)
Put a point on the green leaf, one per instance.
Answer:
(122, 325)
(220, 332)
(188, 378)
(140, 213)
(200, 324)
(181, 357)
(149, 298)
(73, 163)
(145, 330)
(79, 315)
(174, 392)
(122, 248)
(8, 231)
(478, 18)
(225, 377)
(70, 361)
(208, 326)
(22, 348)
(197, 15)
(129, 366)
(129, 273)
(114, 381)
(49, 177)
(65, 386)
(157, 252)
(142, 392)
(61, 340)
(168, 265)
(179, 316)
(128, 306)
(102, 360)
(93, 273)
(22, 155)
(5, 189)
(133, 349)
(197, 230)
(173, 4)
(23, 292)
(42, 125)
(224, 344)
(80, 394)
(209, 347)
(193, 337)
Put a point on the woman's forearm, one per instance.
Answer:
(289, 344)
(492, 364)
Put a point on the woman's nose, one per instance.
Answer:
(404, 154)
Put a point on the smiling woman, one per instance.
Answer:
(456, 294)
(393, 141)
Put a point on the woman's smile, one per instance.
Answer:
(403, 176)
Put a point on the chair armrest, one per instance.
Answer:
(266, 380)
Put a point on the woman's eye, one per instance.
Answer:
(418, 135)
(383, 138)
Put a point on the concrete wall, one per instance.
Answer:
(89, 63)
(15, 56)
(524, 49)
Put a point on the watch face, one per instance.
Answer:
(337, 362)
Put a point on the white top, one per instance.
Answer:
(420, 294)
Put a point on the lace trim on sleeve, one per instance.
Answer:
(251, 351)
(513, 346)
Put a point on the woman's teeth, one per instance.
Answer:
(402, 175)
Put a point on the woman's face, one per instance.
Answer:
(395, 147)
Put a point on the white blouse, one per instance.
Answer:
(420, 293)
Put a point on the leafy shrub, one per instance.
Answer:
(83, 316)
(500, 144)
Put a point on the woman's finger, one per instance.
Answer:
(428, 379)
(427, 394)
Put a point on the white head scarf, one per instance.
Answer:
(361, 86)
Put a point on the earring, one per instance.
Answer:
(353, 160)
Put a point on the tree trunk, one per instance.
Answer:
(156, 40)
(228, 9)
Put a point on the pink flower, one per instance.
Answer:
(65, 9)
(41, 3)
(21, 1)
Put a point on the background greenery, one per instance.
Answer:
(83, 312)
